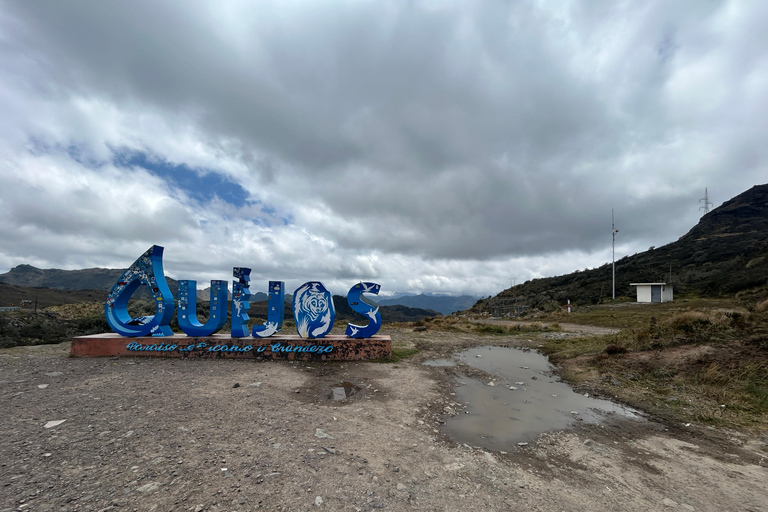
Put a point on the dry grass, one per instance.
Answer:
(729, 395)
(633, 315)
(77, 310)
(697, 361)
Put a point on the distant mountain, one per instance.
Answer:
(725, 253)
(12, 295)
(395, 313)
(57, 279)
(85, 279)
(440, 303)
(398, 313)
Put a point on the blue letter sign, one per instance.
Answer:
(187, 311)
(275, 311)
(241, 293)
(313, 310)
(313, 307)
(357, 302)
(147, 271)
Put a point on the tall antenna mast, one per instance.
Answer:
(613, 253)
(707, 204)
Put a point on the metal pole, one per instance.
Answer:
(613, 253)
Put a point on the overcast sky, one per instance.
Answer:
(429, 146)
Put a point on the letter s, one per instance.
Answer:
(358, 304)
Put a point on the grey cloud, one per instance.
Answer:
(472, 131)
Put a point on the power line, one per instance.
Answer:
(707, 204)
(613, 253)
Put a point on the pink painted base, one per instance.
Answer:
(220, 346)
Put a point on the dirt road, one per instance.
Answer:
(161, 434)
(592, 330)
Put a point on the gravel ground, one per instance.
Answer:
(99, 434)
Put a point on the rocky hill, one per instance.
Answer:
(724, 254)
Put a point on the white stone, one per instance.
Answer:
(149, 487)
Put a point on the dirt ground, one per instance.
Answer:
(151, 434)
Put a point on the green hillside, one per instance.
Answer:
(724, 254)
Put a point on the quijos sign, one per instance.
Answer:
(313, 308)
(313, 312)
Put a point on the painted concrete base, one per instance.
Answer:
(285, 347)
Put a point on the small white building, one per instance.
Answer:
(653, 292)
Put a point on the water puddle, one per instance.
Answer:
(523, 400)
(344, 390)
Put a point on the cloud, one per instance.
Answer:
(434, 146)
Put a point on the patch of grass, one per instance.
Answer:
(398, 354)
(566, 348)
(491, 329)
(511, 330)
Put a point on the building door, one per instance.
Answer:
(656, 293)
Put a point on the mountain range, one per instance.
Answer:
(444, 304)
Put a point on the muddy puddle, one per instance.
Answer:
(522, 400)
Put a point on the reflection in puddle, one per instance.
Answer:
(344, 390)
(523, 401)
